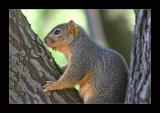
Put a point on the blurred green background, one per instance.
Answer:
(110, 28)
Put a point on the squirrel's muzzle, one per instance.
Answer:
(48, 41)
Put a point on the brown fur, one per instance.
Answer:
(110, 70)
(72, 28)
(86, 91)
(62, 47)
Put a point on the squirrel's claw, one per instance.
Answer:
(47, 87)
(48, 82)
(45, 90)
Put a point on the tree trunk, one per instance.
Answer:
(30, 65)
(97, 33)
(139, 86)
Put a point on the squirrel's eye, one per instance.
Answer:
(57, 32)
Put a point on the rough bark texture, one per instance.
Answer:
(30, 65)
(139, 86)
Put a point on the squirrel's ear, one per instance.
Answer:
(72, 27)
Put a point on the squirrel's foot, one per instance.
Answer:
(48, 87)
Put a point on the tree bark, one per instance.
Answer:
(139, 85)
(31, 65)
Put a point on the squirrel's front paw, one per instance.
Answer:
(48, 87)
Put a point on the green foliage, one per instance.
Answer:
(77, 86)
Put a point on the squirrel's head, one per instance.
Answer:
(62, 34)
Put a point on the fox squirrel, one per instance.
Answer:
(101, 73)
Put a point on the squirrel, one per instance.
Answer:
(100, 72)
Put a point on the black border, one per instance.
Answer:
(69, 4)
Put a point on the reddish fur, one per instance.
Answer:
(63, 47)
(86, 91)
